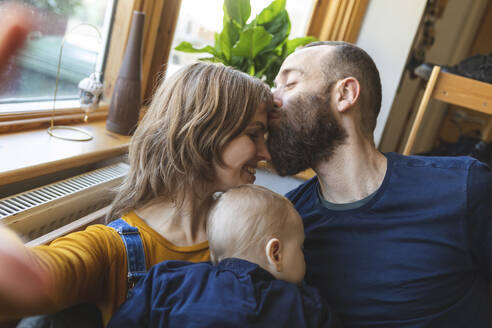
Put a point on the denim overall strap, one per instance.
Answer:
(134, 250)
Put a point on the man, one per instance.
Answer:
(391, 240)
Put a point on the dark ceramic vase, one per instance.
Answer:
(127, 95)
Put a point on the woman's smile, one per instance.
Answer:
(241, 155)
(251, 173)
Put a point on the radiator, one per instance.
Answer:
(39, 211)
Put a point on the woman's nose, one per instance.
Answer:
(262, 151)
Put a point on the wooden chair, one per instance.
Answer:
(453, 89)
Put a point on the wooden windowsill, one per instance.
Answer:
(34, 153)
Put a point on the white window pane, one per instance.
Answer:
(199, 20)
(31, 75)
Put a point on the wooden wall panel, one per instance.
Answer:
(337, 20)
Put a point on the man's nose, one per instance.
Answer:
(277, 100)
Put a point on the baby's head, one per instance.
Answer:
(255, 224)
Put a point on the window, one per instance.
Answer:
(199, 20)
(29, 80)
(24, 106)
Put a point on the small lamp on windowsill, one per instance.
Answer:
(91, 89)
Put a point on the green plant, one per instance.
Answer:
(258, 47)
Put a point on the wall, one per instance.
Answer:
(387, 34)
(280, 185)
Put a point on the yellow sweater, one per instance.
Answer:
(91, 266)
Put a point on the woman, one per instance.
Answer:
(203, 133)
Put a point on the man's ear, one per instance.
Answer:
(347, 93)
(274, 254)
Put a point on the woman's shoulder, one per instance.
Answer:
(134, 220)
(158, 248)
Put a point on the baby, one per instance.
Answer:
(255, 279)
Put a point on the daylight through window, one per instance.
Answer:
(28, 83)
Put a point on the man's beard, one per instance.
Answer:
(305, 134)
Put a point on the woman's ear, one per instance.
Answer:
(274, 254)
(347, 93)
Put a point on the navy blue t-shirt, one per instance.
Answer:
(417, 254)
(235, 293)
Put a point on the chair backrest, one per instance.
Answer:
(452, 89)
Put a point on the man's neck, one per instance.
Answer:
(354, 171)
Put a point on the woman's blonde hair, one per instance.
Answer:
(193, 114)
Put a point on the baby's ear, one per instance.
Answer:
(274, 254)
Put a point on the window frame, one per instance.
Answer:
(337, 20)
(160, 21)
(330, 20)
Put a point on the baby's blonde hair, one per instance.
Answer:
(244, 218)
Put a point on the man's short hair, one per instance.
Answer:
(350, 60)
(243, 219)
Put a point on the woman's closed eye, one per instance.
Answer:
(256, 132)
(254, 135)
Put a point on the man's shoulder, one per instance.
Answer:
(401, 169)
(437, 162)
(304, 191)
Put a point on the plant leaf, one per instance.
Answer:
(251, 41)
(188, 47)
(237, 11)
(279, 27)
(251, 69)
(270, 12)
(268, 67)
(266, 63)
(227, 38)
(239, 63)
(217, 45)
(291, 45)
